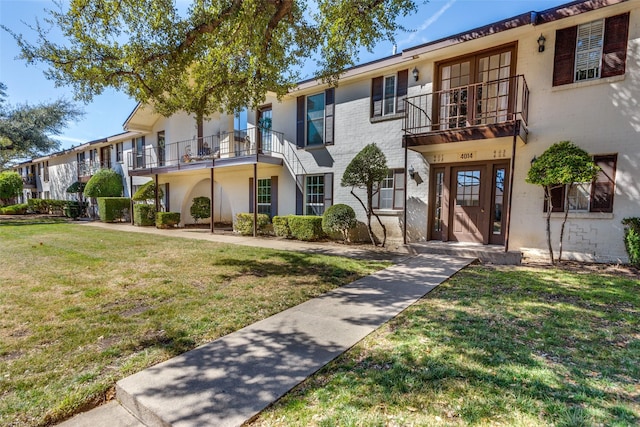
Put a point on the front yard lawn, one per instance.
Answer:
(510, 346)
(81, 307)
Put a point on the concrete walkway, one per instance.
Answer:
(230, 380)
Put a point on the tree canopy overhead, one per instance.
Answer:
(218, 55)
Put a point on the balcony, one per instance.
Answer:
(29, 181)
(87, 168)
(229, 148)
(494, 109)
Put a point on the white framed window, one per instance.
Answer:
(315, 115)
(589, 50)
(389, 95)
(119, 151)
(579, 196)
(390, 195)
(314, 195)
(264, 196)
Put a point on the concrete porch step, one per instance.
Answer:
(490, 254)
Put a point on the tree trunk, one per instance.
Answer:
(547, 195)
(564, 220)
(369, 229)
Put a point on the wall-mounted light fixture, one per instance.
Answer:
(415, 73)
(541, 41)
(412, 172)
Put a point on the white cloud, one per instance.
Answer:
(426, 24)
(71, 140)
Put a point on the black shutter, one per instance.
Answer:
(328, 190)
(557, 199)
(300, 122)
(603, 187)
(251, 195)
(274, 196)
(564, 56)
(376, 97)
(401, 91)
(329, 113)
(614, 49)
(299, 195)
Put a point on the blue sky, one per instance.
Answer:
(106, 114)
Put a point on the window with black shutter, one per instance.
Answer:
(388, 94)
(603, 187)
(591, 51)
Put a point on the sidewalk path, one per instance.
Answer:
(230, 380)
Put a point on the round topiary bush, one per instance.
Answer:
(339, 218)
(105, 183)
(147, 192)
(201, 208)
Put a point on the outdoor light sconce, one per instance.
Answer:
(415, 73)
(412, 172)
(541, 41)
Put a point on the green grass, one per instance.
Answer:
(81, 307)
(492, 346)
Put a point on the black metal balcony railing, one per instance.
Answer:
(88, 167)
(494, 102)
(228, 145)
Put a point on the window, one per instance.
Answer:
(596, 196)
(119, 152)
(138, 150)
(314, 195)
(46, 171)
(590, 51)
(315, 119)
(391, 193)
(264, 196)
(388, 93)
(162, 149)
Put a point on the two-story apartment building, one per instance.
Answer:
(459, 119)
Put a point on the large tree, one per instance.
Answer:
(218, 55)
(29, 130)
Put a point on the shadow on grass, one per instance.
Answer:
(555, 348)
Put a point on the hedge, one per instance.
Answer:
(167, 219)
(244, 224)
(19, 209)
(114, 209)
(632, 240)
(305, 227)
(339, 218)
(281, 226)
(46, 206)
(74, 209)
(144, 215)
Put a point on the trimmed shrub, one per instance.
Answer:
(307, 228)
(74, 209)
(147, 192)
(19, 209)
(339, 218)
(167, 219)
(144, 215)
(244, 224)
(281, 226)
(46, 206)
(104, 183)
(114, 209)
(632, 240)
(201, 208)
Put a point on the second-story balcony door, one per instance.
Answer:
(105, 157)
(474, 90)
(162, 149)
(264, 134)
